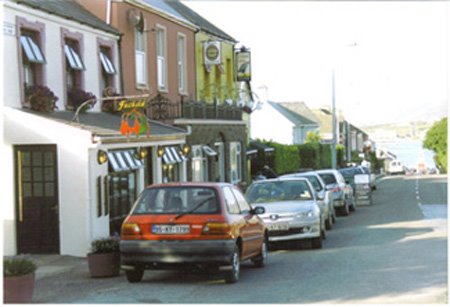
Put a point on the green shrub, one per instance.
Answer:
(105, 245)
(18, 266)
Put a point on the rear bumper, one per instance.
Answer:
(150, 253)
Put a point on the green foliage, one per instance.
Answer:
(436, 140)
(105, 245)
(312, 137)
(309, 155)
(18, 266)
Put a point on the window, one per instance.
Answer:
(182, 82)
(73, 65)
(161, 58)
(199, 164)
(32, 58)
(121, 196)
(242, 203)
(140, 57)
(235, 162)
(230, 200)
(108, 70)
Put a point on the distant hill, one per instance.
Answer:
(414, 130)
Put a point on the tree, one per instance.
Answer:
(436, 140)
(312, 137)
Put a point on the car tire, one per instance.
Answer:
(261, 260)
(345, 211)
(232, 276)
(316, 243)
(328, 223)
(134, 275)
(353, 207)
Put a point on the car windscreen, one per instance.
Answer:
(276, 191)
(328, 178)
(176, 200)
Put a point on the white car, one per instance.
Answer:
(324, 197)
(343, 198)
(291, 209)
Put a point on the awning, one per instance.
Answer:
(172, 155)
(254, 146)
(32, 50)
(121, 161)
(209, 151)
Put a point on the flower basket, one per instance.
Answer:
(40, 98)
(104, 260)
(78, 97)
(18, 279)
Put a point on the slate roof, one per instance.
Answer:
(301, 109)
(107, 125)
(165, 7)
(72, 10)
(198, 20)
(294, 117)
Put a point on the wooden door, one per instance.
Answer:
(37, 209)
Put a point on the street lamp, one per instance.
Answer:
(334, 117)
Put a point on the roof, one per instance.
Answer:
(301, 109)
(104, 124)
(198, 20)
(164, 6)
(294, 117)
(70, 9)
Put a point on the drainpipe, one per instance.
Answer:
(108, 11)
(120, 65)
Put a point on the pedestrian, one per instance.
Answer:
(268, 172)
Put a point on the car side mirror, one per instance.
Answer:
(320, 195)
(258, 210)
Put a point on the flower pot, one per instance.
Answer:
(104, 265)
(18, 289)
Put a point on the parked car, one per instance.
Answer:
(343, 198)
(192, 224)
(292, 212)
(324, 197)
(395, 167)
(349, 174)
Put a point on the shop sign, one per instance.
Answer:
(243, 66)
(133, 120)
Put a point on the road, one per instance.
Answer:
(394, 251)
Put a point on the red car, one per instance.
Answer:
(200, 224)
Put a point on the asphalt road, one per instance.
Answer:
(394, 251)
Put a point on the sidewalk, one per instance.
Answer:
(49, 265)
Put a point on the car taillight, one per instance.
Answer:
(336, 189)
(131, 229)
(217, 229)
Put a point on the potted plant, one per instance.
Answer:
(40, 98)
(18, 279)
(77, 97)
(104, 258)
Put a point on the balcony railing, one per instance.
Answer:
(161, 108)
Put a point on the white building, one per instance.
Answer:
(68, 180)
(279, 123)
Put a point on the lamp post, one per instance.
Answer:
(334, 117)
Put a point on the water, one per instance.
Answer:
(410, 152)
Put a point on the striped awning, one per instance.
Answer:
(172, 155)
(209, 151)
(124, 160)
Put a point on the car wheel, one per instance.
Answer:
(334, 215)
(134, 275)
(328, 223)
(261, 260)
(233, 275)
(316, 243)
(353, 207)
(345, 211)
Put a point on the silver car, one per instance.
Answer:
(324, 197)
(342, 192)
(291, 209)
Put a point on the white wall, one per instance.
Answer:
(267, 123)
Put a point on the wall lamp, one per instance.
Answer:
(102, 157)
(141, 153)
(160, 151)
(186, 149)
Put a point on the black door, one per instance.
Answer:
(37, 210)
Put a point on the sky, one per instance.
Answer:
(390, 59)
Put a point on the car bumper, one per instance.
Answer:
(145, 252)
(337, 203)
(296, 232)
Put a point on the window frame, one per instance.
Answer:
(235, 151)
(182, 63)
(107, 80)
(161, 58)
(140, 57)
(75, 40)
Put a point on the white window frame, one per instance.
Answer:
(140, 58)
(199, 164)
(161, 52)
(235, 162)
(181, 63)
(73, 58)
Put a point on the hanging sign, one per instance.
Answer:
(134, 121)
(243, 66)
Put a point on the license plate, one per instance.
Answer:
(279, 226)
(170, 229)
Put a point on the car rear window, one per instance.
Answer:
(328, 178)
(274, 191)
(176, 200)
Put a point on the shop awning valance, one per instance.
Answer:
(172, 155)
(121, 161)
(209, 151)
